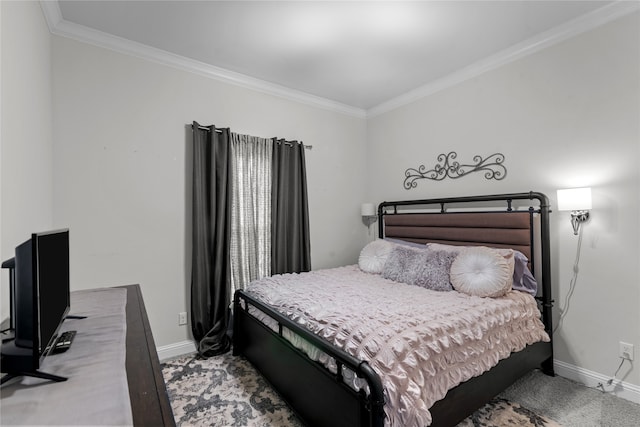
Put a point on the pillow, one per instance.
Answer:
(482, 272)
(523, 280)
(425, 268)
(506, 252)
(448, 248)
(374, 255)
(406, 243)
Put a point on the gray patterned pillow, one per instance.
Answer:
(426, 268)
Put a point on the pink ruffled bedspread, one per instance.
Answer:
(420, 342)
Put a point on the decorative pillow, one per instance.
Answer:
(374, 255)
(505, 252)
(426, 268)
(447, 248)
(482, 272)
(523, 280)
(406, 243)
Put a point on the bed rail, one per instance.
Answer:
(358, 408)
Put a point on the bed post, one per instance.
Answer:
(546, 300)
(381, 220)
(237, 337)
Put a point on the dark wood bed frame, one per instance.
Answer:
(320, 398)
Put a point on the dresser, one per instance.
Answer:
(113, 373)
(147, 392)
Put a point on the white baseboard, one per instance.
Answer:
(177, 349)
(591, 379)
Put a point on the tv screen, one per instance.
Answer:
(42, 289)
(41, 302)
(25, 292)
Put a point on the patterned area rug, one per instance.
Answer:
(227, 391)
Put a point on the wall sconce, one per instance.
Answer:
(578, 201)
(368, 212)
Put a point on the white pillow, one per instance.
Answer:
(482, 272)
(374, 255)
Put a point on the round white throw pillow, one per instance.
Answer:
(481, 272)
(374, 255)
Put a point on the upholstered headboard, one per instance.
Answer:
(496, 229)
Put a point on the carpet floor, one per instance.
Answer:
(572, 404)
(227, 391)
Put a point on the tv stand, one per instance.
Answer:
(35, 374)
(18, 361)
(71, 316)
(8, 335)
(147, 394)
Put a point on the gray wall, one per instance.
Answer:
(121, 167)
(26, 137)
(567, 116)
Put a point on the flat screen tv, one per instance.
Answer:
(41, 302)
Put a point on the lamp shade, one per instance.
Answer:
(368, 209)
(574, 199)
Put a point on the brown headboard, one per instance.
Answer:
(479, 220)
(496, 229)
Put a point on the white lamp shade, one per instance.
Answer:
(368, 209)
(574, 199)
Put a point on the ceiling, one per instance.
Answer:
(358, 54)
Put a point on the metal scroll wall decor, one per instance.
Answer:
(448, 167)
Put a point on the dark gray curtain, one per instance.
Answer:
(211, 271)
(290, 243)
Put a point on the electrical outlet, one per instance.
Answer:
(626, 350)
(182, 318)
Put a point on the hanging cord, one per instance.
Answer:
(572, 283)
(610, 381)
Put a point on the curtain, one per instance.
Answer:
(251, 209)
(249, 220)
(290, 242)
(211, 231)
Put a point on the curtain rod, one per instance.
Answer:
(206, 128)
(307, 147)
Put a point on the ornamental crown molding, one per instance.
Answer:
(61, 27)
(570, 29)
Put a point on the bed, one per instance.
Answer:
(327, 385)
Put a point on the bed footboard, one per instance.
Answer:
(318, 397)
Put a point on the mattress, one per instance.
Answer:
(420, 342)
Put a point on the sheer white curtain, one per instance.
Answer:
(250, 247)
